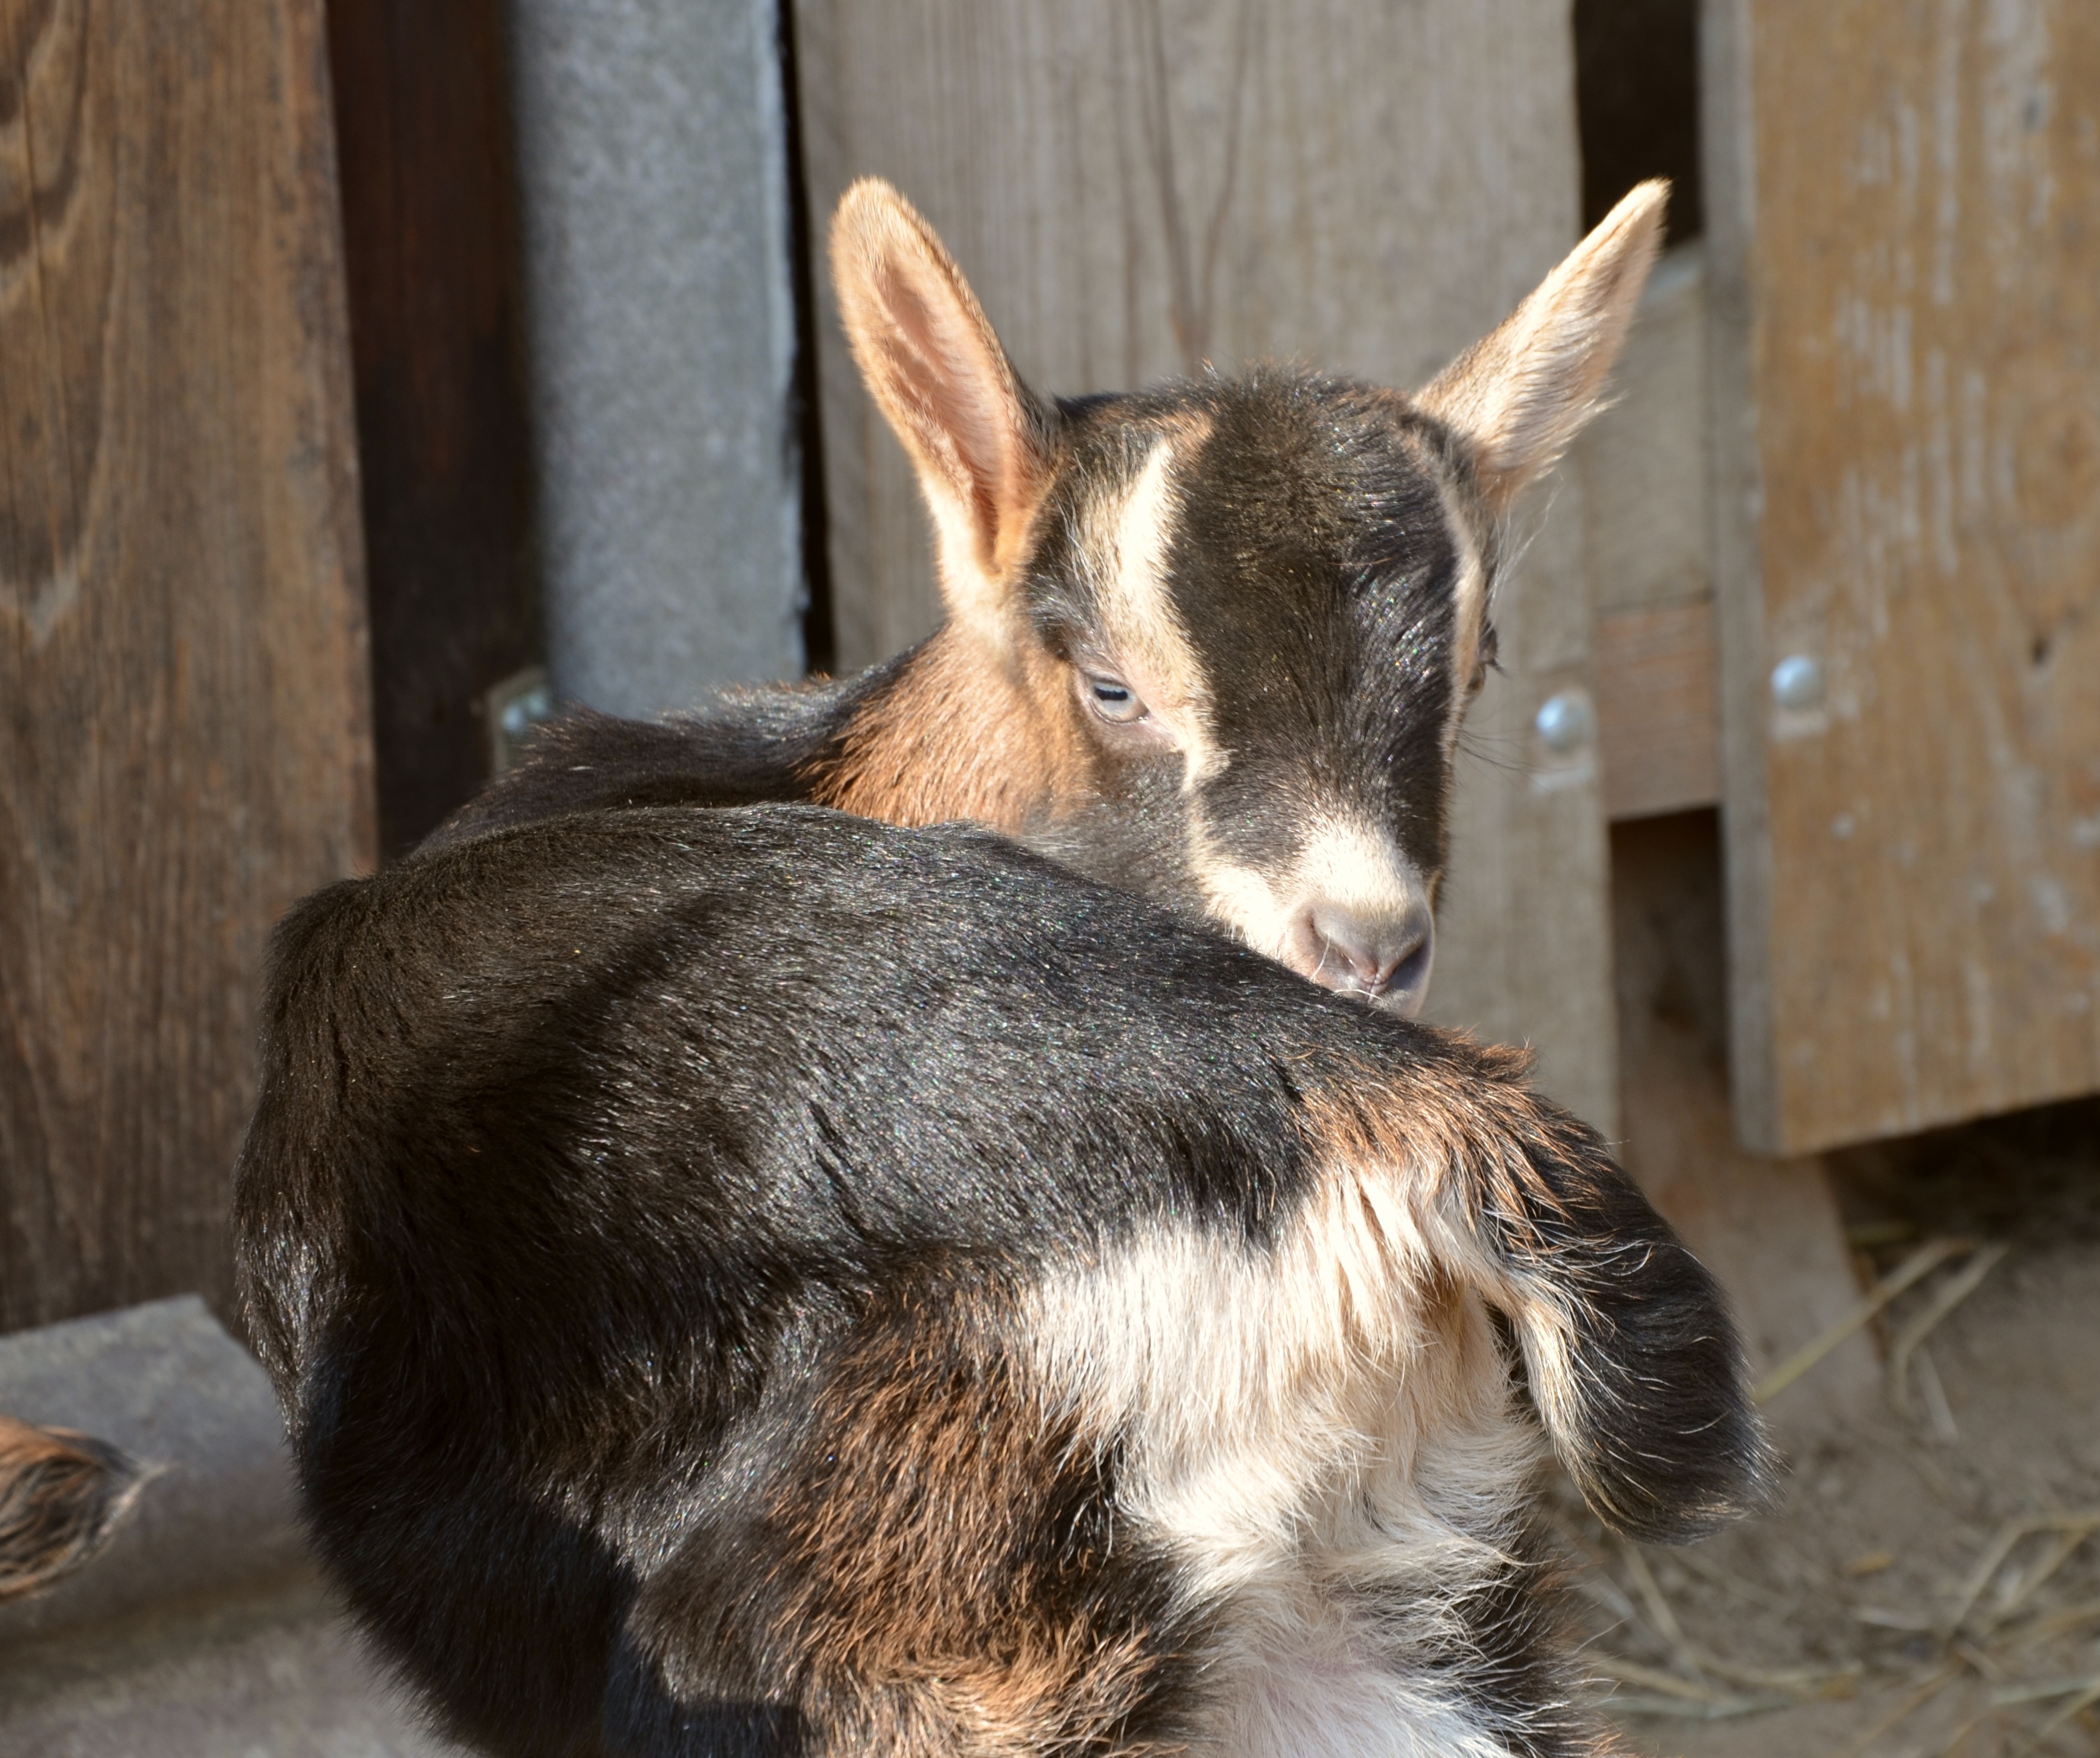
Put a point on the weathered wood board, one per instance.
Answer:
(1906, 298)
(1643, 465)
(184, 741)
(1768, 1228)
(1136, 189)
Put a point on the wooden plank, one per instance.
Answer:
(430, 208)
(1657, 720)
(1906, 316)
(184, 745)
(1644, 466)
(1644, 460)
(1135, 190)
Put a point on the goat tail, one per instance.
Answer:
(1631, 1354)
(63, 1497)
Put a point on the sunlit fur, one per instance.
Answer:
(1296, 572)
(769, 1282)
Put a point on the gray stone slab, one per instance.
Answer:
(165, 1382)
(653, 175)
(276, 1677)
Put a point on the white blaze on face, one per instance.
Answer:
(1349, 905)
(1125, 546)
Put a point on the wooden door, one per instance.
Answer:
(1906, 300)
(1135, 189)
(184, 746)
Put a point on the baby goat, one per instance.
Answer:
(767, 1282)
(1210, 642)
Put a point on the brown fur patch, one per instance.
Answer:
(964, 733)
(61, 1496)
(1445, 1119)
(950, 1548)
(1458, 1134)
(1632, 1360)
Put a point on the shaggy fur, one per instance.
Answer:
(768, 1282)
(63, 1497)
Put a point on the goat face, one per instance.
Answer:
(1270, 618)
(1230, 626)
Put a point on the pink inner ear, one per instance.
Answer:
(955, 392)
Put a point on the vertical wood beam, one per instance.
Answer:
(1905, 296)
(184, 733)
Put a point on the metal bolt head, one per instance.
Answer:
(529, 710)
(1564, 721)
(1797, 682)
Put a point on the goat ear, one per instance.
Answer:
(977, 435)
(1521, 393)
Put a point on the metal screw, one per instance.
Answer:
(1797, 682)
(1564, 721)
(528, 710)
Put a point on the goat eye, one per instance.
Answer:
(1112, 699)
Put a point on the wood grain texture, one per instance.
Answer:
(184, 745)
(1906, 301)
(429, 205)
(1643, 465)
(1658, 722)
(1643, 461)
(1135, 189)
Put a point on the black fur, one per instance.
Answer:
(1315, 567)
(634, 1201)
(748, 747)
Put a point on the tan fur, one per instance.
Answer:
(1521, 393)
(1439, 1125)
(1307, 1423)
(968, 732)
(928, 1456)
(1343, 863)
(1475, 588)
(937, 370)
(62, 1497)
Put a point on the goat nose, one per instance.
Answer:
(1385, 957)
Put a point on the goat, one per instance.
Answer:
(771, 1282)
(1210, 642)
(63, 1497)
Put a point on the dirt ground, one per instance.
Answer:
(1929, 1581)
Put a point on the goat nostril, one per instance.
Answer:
(1385, 959)
(1407, 978)
(1351, 963)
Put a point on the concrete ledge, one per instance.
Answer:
(276, 1674)
(165, 1383)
